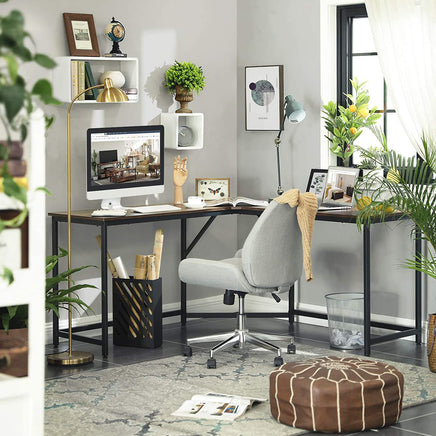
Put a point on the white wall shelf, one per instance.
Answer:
(22, 398)
(174, 122)
(62, 80)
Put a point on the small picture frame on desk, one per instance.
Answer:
(212, 189)
(14, 242)
(317, 182)
(81, 35)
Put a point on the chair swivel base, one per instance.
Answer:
(239, 338)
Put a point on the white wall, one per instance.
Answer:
(288, 32)
(157, 32)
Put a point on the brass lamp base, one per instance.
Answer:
(67, 359)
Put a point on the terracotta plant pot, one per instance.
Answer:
(184, 97)
(14, 350)
(431, 342)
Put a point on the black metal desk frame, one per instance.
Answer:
(84, 217)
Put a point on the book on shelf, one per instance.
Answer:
(74, 78)
(90, 78)
(237, 201)
(81, 74)
(216, 406)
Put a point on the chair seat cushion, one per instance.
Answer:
(334, 395)
(224, 274)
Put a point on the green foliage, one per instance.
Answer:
(345, 124)
(410, 189)
(184, 74)
(66, 298)
(370, 163)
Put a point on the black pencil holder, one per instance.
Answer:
(137, 312)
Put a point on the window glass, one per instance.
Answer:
(362, 36)
(367, 69)
(397, 137)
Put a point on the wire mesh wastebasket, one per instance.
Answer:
(345, 320)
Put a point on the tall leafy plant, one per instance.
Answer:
(409, 188)
(17, 102)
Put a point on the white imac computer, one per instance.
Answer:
(124, 162)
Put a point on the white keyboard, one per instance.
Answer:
(154, 208)
(109, 212)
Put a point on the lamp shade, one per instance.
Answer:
(293, 110)
(110, 94)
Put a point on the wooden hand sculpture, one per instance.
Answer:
(180, 174)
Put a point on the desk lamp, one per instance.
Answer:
(108, 95)
(295, 113)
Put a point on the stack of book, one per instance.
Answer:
(16, 164)
(81, 79)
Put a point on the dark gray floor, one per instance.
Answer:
(418, 420)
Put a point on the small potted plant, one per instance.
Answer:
(182, 79)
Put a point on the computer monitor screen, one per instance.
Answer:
(124, 162)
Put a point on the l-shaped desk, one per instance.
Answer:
(183, 214)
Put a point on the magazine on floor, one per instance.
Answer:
(237, 201)
(216, 406)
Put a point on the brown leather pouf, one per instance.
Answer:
(334, 395)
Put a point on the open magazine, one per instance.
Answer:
(216, 406)
(237, 201)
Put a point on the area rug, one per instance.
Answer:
(138, 399)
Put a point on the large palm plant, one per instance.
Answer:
(409, 188)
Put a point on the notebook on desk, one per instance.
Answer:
(339, 188)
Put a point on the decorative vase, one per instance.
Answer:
(117, 78)
(431, 342)
(183, 97)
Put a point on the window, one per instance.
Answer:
(357, 57)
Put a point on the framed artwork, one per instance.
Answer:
(264, 100)
(14, 242)
(212, 189)
(317, 182)
(81, 36)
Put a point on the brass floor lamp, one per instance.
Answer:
(110, 94)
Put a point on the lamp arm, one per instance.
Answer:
(277, 144)
(83, 92)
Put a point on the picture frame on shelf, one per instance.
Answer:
(263, 97)
(317, 182)
(212, 189)
(14, 242)
(81, 35)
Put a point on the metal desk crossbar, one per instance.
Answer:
(84, 217)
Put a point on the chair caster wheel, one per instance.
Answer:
(291, 348)
(278, 361)
(187, 351)
(211, 363)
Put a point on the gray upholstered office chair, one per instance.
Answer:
(270, 259)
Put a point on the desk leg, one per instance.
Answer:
(418, 289)
(182, 284)
(291, 304)
(367, 290)
(54, 250)
(104, 291)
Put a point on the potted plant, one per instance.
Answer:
(182, 79)
(17, 103)
(14, 319)
(409, 188)
(345, 124)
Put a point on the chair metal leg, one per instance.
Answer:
(211, 338)
(252, 339)
(225, 344)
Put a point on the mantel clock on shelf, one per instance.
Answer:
(115, 32)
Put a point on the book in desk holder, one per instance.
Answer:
(137, 312)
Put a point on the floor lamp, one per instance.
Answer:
(110, 94)
(295, 112)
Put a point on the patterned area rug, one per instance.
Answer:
(138, 399)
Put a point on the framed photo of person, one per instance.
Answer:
(81, 35)
(212, 189)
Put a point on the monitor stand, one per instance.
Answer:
(111, 203)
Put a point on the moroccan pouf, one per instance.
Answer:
(334, 394)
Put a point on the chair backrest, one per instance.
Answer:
(272, 254)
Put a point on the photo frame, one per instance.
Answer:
(317, 182)
(81, 35)
(14, 242)
(264, 99)
(212, 189)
